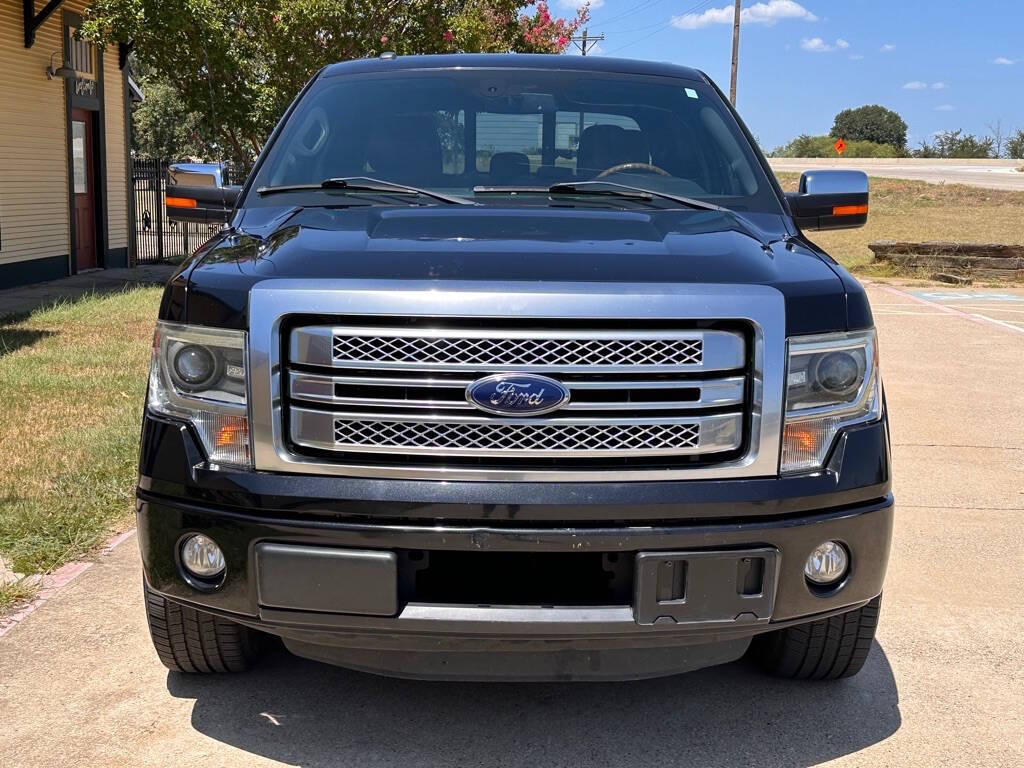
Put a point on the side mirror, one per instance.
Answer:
(199, 193)
(830, 200)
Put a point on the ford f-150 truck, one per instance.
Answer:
(516, 367)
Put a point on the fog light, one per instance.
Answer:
(202, 557)
(827, 564)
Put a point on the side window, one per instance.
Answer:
(739, 178)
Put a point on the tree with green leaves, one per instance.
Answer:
(163, 128)
(1014, 145)
(239, 64)
(871, 123)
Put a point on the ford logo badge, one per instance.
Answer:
(517, 394)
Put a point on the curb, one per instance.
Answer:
(52, 583)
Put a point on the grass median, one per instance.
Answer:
(72, 381)
(919, 211)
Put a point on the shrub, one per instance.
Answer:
(821, 146)
(871, 123)
(957, 144)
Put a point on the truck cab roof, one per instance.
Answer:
(512, 61)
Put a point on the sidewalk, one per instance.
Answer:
(24, 299)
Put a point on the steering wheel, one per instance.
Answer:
(632, 167)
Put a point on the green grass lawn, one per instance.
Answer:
(72, 381)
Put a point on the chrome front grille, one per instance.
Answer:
(640, 398)
(294, 374)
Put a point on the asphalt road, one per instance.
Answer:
(81, 686)
(991, 174)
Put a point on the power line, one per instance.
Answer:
(630, 11)
(662, 26)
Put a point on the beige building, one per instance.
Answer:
(64, 162)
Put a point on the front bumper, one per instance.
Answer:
(440, 640)
(783, 519)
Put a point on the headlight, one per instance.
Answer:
(831, 382)
(199, 374)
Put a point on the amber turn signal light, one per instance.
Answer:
(232, 432)
(849, 210)
(179, 202)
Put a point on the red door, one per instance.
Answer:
(83, 182)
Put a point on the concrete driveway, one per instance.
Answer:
(81, 685)
(991, 174)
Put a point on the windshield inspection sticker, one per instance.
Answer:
(691, 93)
(967, 296)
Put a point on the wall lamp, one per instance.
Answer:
(63, 71)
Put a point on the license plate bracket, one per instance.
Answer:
(706, 588)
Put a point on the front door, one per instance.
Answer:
(84, 185)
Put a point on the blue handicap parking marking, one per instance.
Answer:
(967, 296)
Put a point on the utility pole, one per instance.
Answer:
(735, 53)
(584, 42)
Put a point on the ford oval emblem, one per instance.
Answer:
(517, 394)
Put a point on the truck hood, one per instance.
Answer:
(510, 245)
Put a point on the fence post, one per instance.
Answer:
(158, 182)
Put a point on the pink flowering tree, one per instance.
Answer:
(498, 26)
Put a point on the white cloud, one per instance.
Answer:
(759, 13)
(945, 108)
(817, 45)
(915, 85)
(939, 86)
(887, 47)
(1003, 60)
(572, 5)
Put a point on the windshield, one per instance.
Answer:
(493, 135)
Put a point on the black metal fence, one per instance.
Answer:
(156, 238)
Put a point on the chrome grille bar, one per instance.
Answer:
(483, 350)
(537, 438)
(321, 388)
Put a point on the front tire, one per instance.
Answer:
(827, 649)
(187, 640)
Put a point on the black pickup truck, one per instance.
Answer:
(516, 367)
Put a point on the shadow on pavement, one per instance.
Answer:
(304, 713)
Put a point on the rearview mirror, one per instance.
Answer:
(830, 200)
(199, 193)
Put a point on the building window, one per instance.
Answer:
(82, 56)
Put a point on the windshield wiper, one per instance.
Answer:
(592, 187)
(627, 190)
(366, 184)
(609, 188)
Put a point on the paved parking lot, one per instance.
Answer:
(80, 684)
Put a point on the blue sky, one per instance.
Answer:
(942, 64)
